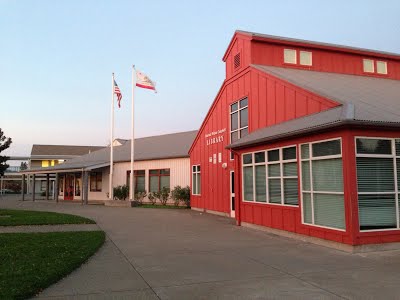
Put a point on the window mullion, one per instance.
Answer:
(239, 124)
(254, 178)
(311, 190)
(267, 177)
(281, 171)
(396, 188)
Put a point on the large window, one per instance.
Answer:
(95, 181)
(322, 184)
(378, 174)
(158, 179)
(271, 176)
(138, 180)
(196, 180)
(239, 119)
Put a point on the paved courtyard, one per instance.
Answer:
(181, 254)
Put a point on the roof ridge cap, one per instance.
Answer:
(348, 112)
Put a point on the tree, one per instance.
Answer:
(4, 144)
(23, 166)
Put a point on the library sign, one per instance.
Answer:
(215, 137)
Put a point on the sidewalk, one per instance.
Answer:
(181, 254)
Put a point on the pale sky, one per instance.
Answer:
(56, 58)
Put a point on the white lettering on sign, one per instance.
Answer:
(215, 137)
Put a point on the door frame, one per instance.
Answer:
(232, 193)
(69, 193)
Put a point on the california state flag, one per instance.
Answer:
(143, 81)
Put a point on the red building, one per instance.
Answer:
(303, 137)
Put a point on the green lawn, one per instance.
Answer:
(30, 262)
(162, 206)
(10, 217)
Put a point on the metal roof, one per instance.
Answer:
(175, 145)
(61, 150)
(317, 44)
(364, 100)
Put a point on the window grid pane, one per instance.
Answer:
(261, 184)
(374, 146)
(289, 56)
(281, 176)
(326, 148)
(323, 197)
(248, 183)
(305, 58)
(376, 175)
(381, 67)
(290, 189)
(368, 65)
(274, 186)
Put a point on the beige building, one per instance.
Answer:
(44, 156)
(160, 161)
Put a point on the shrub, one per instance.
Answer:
(139, 196)
(176, 195)
(180, 194)
(164, 195)
(121, 192)
(185, 196)
(152, 197)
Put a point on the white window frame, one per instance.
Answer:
(385, 64)
(396, 188)
(239, 120)
(266, 163)
(373, 65)
(295, 56)
(196, 171)
(302, 64)
(311, 191)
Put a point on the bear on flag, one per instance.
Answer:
(143, 81)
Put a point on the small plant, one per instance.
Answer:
(157, 196)
(185, 196)
(176, 194)
(164, 195)
(152, 198)
(139, 196)
(121, 192)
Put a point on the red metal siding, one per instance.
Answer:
(243, 47)
(272, 101)
(322, 60)
(277, 102)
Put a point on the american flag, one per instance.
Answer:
(117, 92)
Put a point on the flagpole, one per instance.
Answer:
(111, 190)
(132, 189)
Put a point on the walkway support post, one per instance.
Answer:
(85, 187)
(47, 185)
(56, 187)
(33, 186)
(23, 187)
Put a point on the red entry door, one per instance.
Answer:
(69, 187)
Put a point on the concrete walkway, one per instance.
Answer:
(180, 254)
(49, 228)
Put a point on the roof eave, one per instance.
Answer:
(336, 124)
